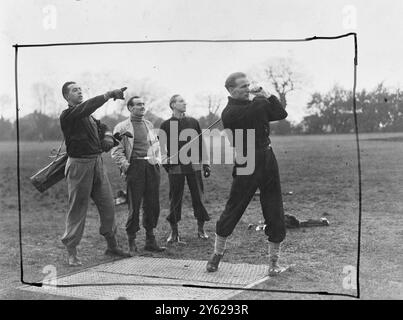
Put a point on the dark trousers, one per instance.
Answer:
(176, 188)
(143, 181)
(266, 177)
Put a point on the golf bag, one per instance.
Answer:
(51, 174)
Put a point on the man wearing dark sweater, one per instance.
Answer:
(86, 138)
(175, 130)
(244, 114)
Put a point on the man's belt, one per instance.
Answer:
(87, 156)
(142, 158)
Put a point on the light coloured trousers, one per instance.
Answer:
(87, 178)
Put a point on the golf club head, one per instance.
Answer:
(119, 136)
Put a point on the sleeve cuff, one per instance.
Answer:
(106, 96)
(273, 98)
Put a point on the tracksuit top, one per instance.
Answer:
(81, 131)
(252, 114)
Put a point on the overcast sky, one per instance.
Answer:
(192, 68)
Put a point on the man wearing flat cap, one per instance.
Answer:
(86, 138)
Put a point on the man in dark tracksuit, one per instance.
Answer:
(242, 113)
(178, 172)
(85, 173)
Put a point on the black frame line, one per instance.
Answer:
(40, 284)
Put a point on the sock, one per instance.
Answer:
(200, 225)
(219, 246)
(274, 251)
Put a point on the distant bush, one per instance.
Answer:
(6, 129)
(38, 126)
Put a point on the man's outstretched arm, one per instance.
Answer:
(89, 106)
(83, 109)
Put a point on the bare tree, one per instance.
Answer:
(97, 83)
(153, 94)
(213, 103)
(281, 75)
(44, 96)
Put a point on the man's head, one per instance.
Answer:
(72, 93)
(177, 103)
(136, 106)
(237, 85)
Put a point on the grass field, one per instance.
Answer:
(321, 172)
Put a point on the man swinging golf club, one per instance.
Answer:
(244, 114)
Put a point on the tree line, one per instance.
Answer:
(378, 110)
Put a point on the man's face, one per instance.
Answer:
(74, 95)
(241, 90)
(137, 108)
(180, 104)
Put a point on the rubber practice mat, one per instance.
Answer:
(143, 278)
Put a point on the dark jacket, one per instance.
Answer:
(81, 131)
(255, 114)
(183, 123)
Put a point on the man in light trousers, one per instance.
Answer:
(86, 138)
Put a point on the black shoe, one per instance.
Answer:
(113, 249)
(74, 261)
(174, 238)
(275, 269)
(212, 264)
(151, 245)
(201, 234)
(117, 252)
